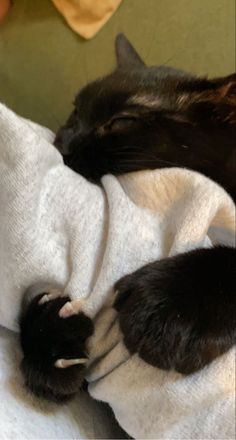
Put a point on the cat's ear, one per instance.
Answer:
(226, 86)
(126, 55)
(216, 101)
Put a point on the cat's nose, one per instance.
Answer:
(63, 139)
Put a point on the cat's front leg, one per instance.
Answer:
(180, 313)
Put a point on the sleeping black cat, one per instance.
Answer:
(139, 118)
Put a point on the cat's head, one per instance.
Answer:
(116, 118)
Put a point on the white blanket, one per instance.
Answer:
(58, 229)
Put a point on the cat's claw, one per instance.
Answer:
(71, 308)
(55, 293)
(65, 363)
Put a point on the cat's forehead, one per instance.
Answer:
(110, 94)
(105, 96)
(107, 87)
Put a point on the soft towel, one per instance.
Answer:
(87, 17)
(56, 228)
(24, 417)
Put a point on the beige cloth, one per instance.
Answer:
(86, 17)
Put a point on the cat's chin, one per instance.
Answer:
(91, 174)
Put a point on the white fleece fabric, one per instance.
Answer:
(58, 229)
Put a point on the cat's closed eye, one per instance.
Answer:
(120, 123)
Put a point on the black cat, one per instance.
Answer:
(138, 117)
(142, 117)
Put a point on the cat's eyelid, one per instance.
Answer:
(121, 116)
(124, 115)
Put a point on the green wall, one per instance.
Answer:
(43, 63)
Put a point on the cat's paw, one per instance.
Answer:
(54, 348)
(179, 313)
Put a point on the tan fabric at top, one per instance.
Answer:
(86, 17)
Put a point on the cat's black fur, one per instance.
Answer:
(178, 313)
(142, 117)
(45, 338)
